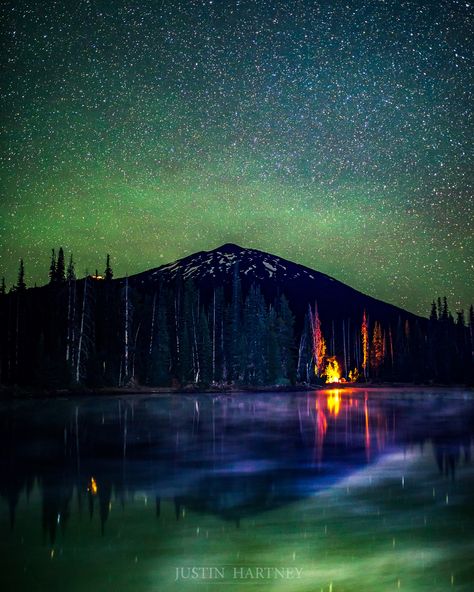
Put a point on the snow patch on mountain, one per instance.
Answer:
(270, 268)
(222, 263)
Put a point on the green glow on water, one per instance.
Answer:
(396, 524)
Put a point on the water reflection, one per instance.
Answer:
(230, 456)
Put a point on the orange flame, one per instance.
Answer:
(332, 371)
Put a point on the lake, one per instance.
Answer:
(333, 490)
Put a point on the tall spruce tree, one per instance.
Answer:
(21, 285)
(218, 336)
(377, 350)
(252, 335)
(60, 275)
(108, 273)
(52, 267)
(235, 337)
(71, 271)
(434, 312)
(160, 355)
(305, 368)
(205, 349)
(188, 364)
(285, 326)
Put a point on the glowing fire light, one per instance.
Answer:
(93, 486)
(322, 426)
(334, 402)
(332, 371)
(367, 427)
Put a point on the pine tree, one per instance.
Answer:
(444, 316)
(71, 272)
(85, 332)
(305, 352)
(127, 325)
(252, 335)
(273, 350)
(21, 285)
(434, 312)
(218, 335)
(376, 352)
(195, 340)
(460, 319)
(205, 349)
(446, 338)
(188, 369)
(71, 313)
(418, 359)
(108, 273)
(160, 355)
(52, 267)
(60, 275)
(319, 343)
(235, 326)
(365, 345)
(345, 348)
(402, 351)
(286, 321)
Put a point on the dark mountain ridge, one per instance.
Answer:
(302, 285)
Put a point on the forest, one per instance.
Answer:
(103, 332)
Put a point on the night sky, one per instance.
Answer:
(335, 134)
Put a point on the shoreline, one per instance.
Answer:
(17, 393)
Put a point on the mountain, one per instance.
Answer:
(230, 316)
(275, 275)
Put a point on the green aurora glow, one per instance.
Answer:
(337, 137)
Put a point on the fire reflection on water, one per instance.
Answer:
(341, 408)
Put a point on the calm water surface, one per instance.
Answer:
(325, 490)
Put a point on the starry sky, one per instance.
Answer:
(335, 134)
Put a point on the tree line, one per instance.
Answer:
(100, 332)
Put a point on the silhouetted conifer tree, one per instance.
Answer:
(376, 351)
(219, 330)
(71, 272)
(86, 331)
(108, 273)
(160, 355)
(235, 337)
(273, 356)
(285, 326)
(252, 337)
(434, 312)
(21, 285)
(205, 350)
(60, 275)
(305, 368)
(52, 267)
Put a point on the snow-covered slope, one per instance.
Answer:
(274, 275)
(222, 261)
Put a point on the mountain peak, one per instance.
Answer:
(229, 247)
(275, 275)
